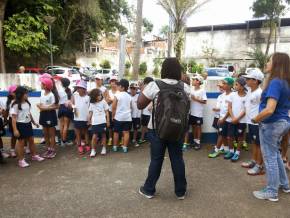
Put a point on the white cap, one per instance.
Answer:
(198, 77)
(113, 78)
(98, 76)
(255, 74)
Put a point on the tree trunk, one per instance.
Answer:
(138, 40)
(269, 38)
(2, 57)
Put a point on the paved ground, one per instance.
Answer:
(71, 186)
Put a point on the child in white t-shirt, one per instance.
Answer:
(237, 112)
(80, 105)
(111, 95)
(99, 119)
(218, 149)
(2, 132)
(146, 114)
(136, 113)
(121, 111)
(198, 101)
(22, 121)
(253, 80)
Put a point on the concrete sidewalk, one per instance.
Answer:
(73, 186)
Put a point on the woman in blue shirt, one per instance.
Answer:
(274, 124)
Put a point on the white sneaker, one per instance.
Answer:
(93, 153)
(5, 154)
(104, 151)
(27, 150)
(23, 164)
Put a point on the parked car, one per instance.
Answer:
(220, 72)
(34, 70)
(71, 74)
(106, 74)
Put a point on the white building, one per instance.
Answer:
(231, 42)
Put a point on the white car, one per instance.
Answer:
(72, 74)
(106, 74)
(248, 70)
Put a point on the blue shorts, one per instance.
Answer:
(136, 123)
(215, 123)
(2, 129)
(65, 112)
(196, 121)
(99, 129)
(48, 118)
(25, 130)
(111, 120)
(224, 129)
(237, 130)
(254, 134)
(80, 124)
(121, 126)
(145, 120)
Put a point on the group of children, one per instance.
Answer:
(100, 117)
(104, 117)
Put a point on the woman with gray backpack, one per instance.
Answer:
(167, 126)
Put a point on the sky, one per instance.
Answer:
(214, 12)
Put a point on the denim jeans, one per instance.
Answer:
(158, 148)
(270, 137)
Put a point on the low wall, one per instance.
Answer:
(209, 134)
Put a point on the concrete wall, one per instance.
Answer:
(232, 45)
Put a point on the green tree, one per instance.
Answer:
(2, 14)
(147, 26)
(272, 10)
(259, 57)
(143, 68)
(179, 11)
(105, 64)
(164, 31)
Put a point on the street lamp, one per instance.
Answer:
(50, 20)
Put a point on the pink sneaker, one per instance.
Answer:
(46, 154)
(5, 155)
(51, 155)
(88, 148)
(37, 158)
(81, 149)
(23, 164)
(13, 154)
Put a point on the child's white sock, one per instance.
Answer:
(232, 150)
(216, 149)
(226, 148)
(197, 141)
(237, 152)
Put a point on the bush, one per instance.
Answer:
(127, 65)
(156, 71)
(143, 68)
(105, 64)
(94, 64)
(195, 67)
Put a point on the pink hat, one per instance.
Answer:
(81, 84)
(12, 89)
(47, 82)
(45, 75)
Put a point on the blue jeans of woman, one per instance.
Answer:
(270, 137)
(158, 148)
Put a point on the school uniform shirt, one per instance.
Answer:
(2, 108)
(136, 113)
(23, 115)
(225, 99)
(82, 104)
(62, 96)
(47, 100)
(147, 110)
(196, 108)
(238, 105)
(252, 104)
(123, 111)
(99, 112)
(152, 90)
(218, 105)
(112, 96)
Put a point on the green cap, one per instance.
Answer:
(230, 81)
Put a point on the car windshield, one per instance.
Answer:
(106, 71)
(58, 71)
